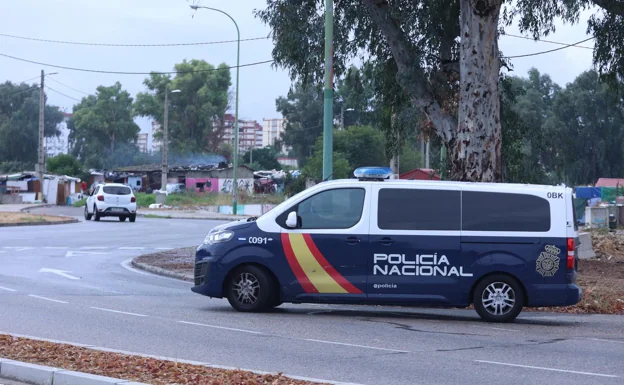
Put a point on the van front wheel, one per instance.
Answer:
(498, 298)
(250, 289)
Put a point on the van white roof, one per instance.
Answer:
(453, 184)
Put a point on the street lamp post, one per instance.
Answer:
(163, 178)
(342, 111)
(41, 160)
(235, 171)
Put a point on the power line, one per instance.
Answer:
(25, 90)
(133, 73)
(129, 45)
(60, 93)
(27, 80)
(551, 50)
(65, 85)
(545, 41)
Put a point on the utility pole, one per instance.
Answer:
(41, 126)
(328, 93)
(427, 155)
(163, 177)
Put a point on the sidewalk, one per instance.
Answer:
(16, 208)
(189, 214)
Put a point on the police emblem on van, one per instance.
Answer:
(547, 263)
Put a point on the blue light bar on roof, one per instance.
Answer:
(373, 173)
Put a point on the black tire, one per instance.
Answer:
(132, 218)
(498, 298)
(96, 215)
(257, 283)
(86, 214)
(122, 219)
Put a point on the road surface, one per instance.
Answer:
(72, 283)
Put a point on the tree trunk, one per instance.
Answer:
(475, 150)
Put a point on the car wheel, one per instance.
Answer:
(498, 298)
(133, 218)
(250, 289)
(122, 219)
(96, 214)
(86, 214)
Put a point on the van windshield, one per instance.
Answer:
(117, 190)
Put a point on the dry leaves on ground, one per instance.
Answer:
(127, 367)
(180, 260)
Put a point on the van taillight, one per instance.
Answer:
(133, 199)
(100, 198)
(570, 258)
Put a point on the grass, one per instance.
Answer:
(15, 218)
(189, 199)
(157, 216)
(80, 203)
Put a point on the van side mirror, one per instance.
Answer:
(292, 220)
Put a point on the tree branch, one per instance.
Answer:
(410, 75)
(613, 6)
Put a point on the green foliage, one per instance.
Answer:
(15, 166)
(411, 158)
(102, 129)
(361, 146)
(196, 114)
(263, 159)
(144, 200)
(19, 123)
(80, 203)
(293, 185)
(314, 167)
(64, 164)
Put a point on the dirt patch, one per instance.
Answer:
(177, 260)
(129, 367)
(25, 218)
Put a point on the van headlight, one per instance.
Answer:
(218, 237)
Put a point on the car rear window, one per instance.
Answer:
(117, 190)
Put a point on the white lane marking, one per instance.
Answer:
(93, 248)
(117, 311)
(548, 369)
(357, 346)
(62, 273)
(163, 248)
(18, 248)
(219, 327)
(56, 247)
(3, 251)
(77, 253)
(7, 289)
(602, 339)
(47, 299)
(131, 248)
(493, 328)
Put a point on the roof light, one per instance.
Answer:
(373, 173)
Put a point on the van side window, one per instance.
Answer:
(330, 209)
(413, 209)
(491, 211)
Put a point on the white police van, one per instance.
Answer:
(375, 240)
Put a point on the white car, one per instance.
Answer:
(111, 200)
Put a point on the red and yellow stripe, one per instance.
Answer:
(312, 270)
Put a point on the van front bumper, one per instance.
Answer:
(207, 279)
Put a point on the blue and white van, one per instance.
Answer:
(374, 240)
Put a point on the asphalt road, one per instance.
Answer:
(95, 299)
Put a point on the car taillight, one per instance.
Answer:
(570, 258)
(133, 199)
(100, 198)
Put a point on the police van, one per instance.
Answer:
(381, 241)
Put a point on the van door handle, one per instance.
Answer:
(386, 241)
(353, 240)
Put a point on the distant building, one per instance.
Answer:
(56, 145)
(272, 130)
(249, 133)
(156, 143)
(142, 140)
(420, 174)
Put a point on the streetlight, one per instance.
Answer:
(235, 171)
(342, 111)
(163, 179)
(41, 165)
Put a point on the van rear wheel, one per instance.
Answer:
(498, 298)
(250, 289)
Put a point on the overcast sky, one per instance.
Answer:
(172, 21)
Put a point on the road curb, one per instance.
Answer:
(40, 206)
(160, 271)
(170, 215)
(65, 222)
(79, 378)
(46, 375)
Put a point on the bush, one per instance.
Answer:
(144, 200)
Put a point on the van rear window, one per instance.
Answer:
(117, 190)
(490, 211)
(413, 209)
